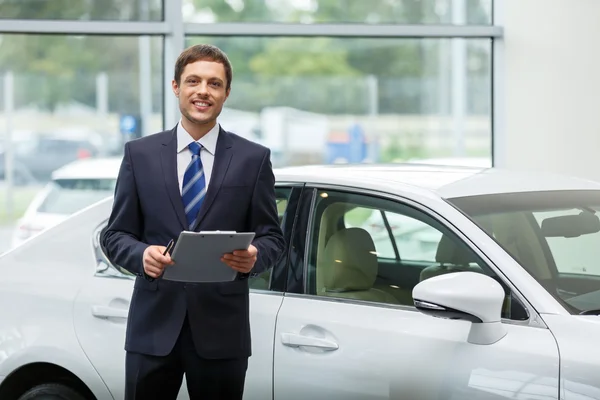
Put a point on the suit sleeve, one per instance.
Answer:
(125, 225)
(264, 219)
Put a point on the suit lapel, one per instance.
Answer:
(168, 158)
(223, 155)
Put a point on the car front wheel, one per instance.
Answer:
(51, 391)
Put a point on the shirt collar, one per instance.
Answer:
(208, 141)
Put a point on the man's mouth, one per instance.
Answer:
(201, 105)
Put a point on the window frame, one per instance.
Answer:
(306, 211)
(279, 271)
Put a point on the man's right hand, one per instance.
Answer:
(155, 262)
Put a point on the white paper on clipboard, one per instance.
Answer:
(197, 256)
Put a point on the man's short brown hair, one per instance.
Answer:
(202, 52)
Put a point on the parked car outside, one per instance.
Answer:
(72, 188)
(507, 307)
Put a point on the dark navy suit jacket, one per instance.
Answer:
(148, 210)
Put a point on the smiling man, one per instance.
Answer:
(196, 176)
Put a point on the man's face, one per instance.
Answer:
(202, 91)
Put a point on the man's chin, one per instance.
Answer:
(200, 119)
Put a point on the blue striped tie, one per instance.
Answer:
(194, 186)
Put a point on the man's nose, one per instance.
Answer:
(203, 89)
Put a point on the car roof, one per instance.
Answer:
(90, 168)
(441, 180)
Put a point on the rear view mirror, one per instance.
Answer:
(569, 226)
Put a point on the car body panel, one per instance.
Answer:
(40, 280)
(395, 352)
(53, 283)
(100, 316)
(100, 319)
(579, 355)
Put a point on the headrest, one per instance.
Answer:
(350, 261)
(451, 252)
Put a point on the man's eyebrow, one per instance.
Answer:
(194, 76)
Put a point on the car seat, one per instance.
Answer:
(350, 267)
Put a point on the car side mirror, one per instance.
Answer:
(468, 296)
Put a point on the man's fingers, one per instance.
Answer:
(233, 263)
(154, 264)
(158, 256)
(153, 271)
(237, 258)
(239, 266)
(245, 268)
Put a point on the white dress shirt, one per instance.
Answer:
(207, 154)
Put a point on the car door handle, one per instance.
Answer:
(109, 312)
(295, 340)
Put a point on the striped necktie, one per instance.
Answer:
(194, 186)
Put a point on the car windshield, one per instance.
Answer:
(554, 235)
(67, 196)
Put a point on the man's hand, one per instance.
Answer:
(241, 260)
(155, 262)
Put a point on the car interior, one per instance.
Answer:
(347, 265)
(522, 236)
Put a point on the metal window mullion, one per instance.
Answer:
(498, 117)
(174, 43)
(68, 27)
(343, 30)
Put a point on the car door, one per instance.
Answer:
(348, 328)
(101, 309)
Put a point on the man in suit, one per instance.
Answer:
(196, 176)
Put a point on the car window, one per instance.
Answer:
(356, 255)
(282, 195)
(553, 235)
(578, 254)
(395, 234)
(67, 196)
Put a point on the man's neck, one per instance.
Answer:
(197, 131)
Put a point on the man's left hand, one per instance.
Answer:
(241, 260)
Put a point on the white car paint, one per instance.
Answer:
(68, 308)
(35, 220)
(476, 162)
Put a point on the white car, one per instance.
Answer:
(72, 188)
(506, 308)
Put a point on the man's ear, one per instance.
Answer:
(175, 87)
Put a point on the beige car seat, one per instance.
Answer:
(451, 258)
(349, 267)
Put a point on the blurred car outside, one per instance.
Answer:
(72, 188)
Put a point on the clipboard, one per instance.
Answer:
(197, 256)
